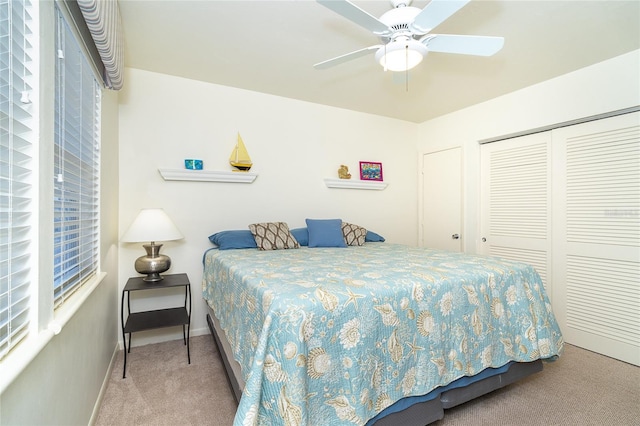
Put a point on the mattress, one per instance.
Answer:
(338, 335)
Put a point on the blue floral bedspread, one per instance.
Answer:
(332, 336)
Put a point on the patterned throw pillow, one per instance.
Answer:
(354, 235)
(273, 236)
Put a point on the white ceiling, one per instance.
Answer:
(271, 46)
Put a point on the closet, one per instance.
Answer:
(567, 201)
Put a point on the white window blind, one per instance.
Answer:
(76, 168)
(16, 164)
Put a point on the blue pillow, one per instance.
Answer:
(325, 233)
(372, 237)
(302, 235)
(226, 240)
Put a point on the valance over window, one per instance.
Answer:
(103, 21)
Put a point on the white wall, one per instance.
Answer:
(294, 145)
(608, 86)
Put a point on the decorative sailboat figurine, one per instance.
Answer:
(240, 157)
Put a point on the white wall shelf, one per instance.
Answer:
(355, 184)
(207, 175)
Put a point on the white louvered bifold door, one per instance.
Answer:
(596, 237)
(515, 201)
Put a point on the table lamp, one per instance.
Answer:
(152, 225)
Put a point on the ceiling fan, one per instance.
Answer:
(405, 34)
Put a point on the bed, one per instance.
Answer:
(373, 333)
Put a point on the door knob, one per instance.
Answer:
(455, 236)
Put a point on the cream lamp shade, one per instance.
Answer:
(152, 225)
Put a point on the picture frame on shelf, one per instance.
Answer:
(370, 170)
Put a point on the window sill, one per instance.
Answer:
(19, 358)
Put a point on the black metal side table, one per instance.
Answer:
(147, 320)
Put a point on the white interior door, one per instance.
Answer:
(515, 197)
(597, 235)
(442, 200)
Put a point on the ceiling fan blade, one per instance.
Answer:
(357, 15)
(463, 44)
(346, 57)
(435, 13)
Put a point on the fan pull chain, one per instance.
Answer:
(406, 68)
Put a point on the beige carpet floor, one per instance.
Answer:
(581, 388)
(161, 388)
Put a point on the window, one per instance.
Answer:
(74, 185)
(17, 123)
(76, 168)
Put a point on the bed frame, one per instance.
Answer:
(418, 414)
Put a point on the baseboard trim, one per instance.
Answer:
(103, 388)
(161, 337)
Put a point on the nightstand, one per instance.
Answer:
(147, 320)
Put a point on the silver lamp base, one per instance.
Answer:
(153, 264)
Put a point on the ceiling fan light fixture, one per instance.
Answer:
(401, 55)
